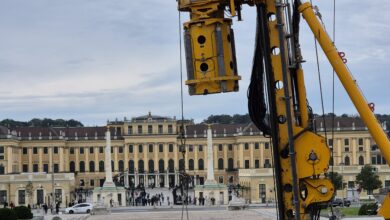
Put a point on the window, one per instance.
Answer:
(72, 167)
(246, 164)
(35, 168)
(161, 166)
(130, 130)
(151, 166)
(21, 197)
(81, 150)
(361, 149)
(361, 160)
(170, 129)
(266, 145)
(25, 168)
(230, 164)
(351, 184)
(141, 166)
(55, 149)
(346, 149)
(91, 166)
(360, 141)
(161, 148)
(71, 150)
(191, 164)
(257, 164)
(112, 149)
(101, 166)
(170, 147)
(150, 148)
(387, 184)
(2, 169)
(131, 166)
(346, 142)
(160, 129)
(190, 148)
(246, 146)
(220, 164)
(220, 179)
(101, 150)
(120, 150)
(171, 165)
(131, 148)
(82, 166)
(45, 150)
(112, 166)
(346, 161)
(220, 147)
(200, 164)
(25, 150)
(330, 142)
(256, 146)
(35, 150)
(92, 182)
(150, 129)
(140, 148)
(200, 148)
(56, 168)
(267, 164)
(139, 129)
(230, 147)
(46, 168)
(373, 160)
(121, 166)
(91, 150)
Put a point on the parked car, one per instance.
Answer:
(341, 202)
(80, 208)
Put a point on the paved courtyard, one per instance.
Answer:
(252, 214)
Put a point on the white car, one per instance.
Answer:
(80, 208)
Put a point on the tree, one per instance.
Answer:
(336, 179)
(368, 179)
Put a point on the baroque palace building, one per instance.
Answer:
(145, 152)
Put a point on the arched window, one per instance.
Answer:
(2, 170)
(121, 166)
(361, 160)
(141, 166)
(82, 166)
(72, 167)
(171, 165)
(191, 164)
(220, 164)
(101, 166)
(112, 166)
(230, 164)
(181, 165)
(91, 166)
(200, 164)
(161, 166)
(151, 166)
(131, 166)
(346, 161)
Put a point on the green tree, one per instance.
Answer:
(368, 179)
(336, 179)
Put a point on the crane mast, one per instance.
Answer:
(301, 157)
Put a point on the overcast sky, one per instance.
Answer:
(94, 60)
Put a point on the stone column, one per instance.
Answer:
(210, 159)
(107, 163)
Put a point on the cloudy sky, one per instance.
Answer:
(94, 60)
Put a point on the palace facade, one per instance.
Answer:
(37, 161)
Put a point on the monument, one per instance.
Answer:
(214, 193)
(109, 195)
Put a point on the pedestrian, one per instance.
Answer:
(45, 208)
(5, 204)
(29, 206)
(12, 205)
(168, 200)
(111, 203)
(57, 208)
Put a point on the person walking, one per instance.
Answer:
(45, 208)
(57, 208)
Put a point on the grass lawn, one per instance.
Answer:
(346, 211)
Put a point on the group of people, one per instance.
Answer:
(11, 205)
(145, 199)
(47, 207)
